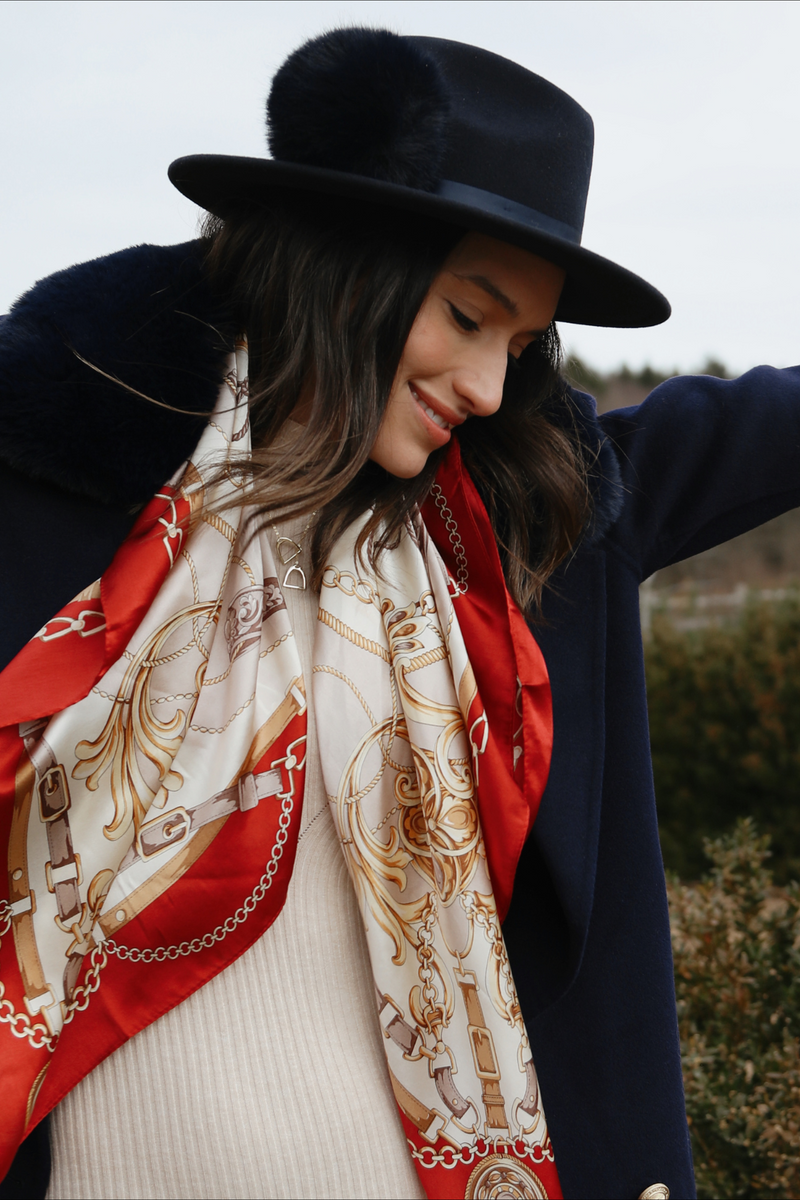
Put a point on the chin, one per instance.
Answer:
(406, 472)
(402, 466)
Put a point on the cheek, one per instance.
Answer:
(428, 350)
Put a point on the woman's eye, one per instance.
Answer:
(463, 320)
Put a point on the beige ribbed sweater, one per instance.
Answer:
(271, 1080)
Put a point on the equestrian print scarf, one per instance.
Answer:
(152, 752)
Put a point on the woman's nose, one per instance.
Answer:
(480, 383)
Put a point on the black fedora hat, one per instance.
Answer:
(441, 128)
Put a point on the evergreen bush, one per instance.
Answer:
(736, 940)
(725, 733)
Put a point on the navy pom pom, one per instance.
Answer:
(364, 101)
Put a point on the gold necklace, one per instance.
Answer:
(289, 552)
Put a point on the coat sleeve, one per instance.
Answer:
(703, 460)
(52, 545)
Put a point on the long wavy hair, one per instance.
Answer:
(327, 294)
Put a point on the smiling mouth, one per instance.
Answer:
(430, 412)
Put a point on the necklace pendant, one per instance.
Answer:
(300, 584)
(288, 550)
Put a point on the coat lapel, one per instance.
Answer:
(554, 887)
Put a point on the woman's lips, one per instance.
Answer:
(435, 422)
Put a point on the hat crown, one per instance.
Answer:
(512, 132)
(419, 111)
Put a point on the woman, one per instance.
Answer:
(307, 649)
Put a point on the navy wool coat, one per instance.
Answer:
(701, 461)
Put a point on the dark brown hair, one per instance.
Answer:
(327, 295)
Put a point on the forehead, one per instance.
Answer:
(524, 277)
(479, 250)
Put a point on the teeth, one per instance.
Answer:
(434, 416)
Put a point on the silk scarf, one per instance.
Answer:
(152, 753)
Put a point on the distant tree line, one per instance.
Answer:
(587, 379)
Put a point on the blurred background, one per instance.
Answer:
(696, 186)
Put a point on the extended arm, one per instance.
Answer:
(703, 460)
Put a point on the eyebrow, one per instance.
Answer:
(492, 290)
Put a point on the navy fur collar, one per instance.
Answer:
(147, 318)
(144, 316)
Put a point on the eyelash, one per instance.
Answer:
(470, 326)
(466, 323)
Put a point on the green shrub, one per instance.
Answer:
(725, 733)
(736, 940)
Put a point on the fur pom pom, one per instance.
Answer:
(364, 101)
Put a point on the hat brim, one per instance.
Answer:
(596, 292)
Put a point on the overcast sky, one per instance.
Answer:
(696, 181)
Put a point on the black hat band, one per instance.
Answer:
(499, 206)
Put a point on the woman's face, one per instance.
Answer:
(489, 301)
